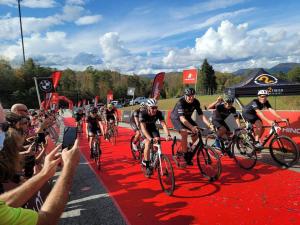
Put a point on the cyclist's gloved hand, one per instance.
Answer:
(286, 121)
(156, 139)
(194, 129)
(168, 138)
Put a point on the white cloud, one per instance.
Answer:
(112, 47)
(87, 20)
(31, 3)
(234, 45)
(71, 12)
(75, 2)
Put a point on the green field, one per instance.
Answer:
(278, 102)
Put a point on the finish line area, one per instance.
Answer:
(264, 195)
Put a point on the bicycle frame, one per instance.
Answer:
(157, 155)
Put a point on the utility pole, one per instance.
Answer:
(20, 17)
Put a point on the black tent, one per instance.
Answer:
(260, 79)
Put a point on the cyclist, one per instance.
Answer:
(219, 101)
(93, 127)
(110, 114)
(79, 115)
(220, 114)
(147, 120)
(135, 124)
(181, 117)
(253, 114)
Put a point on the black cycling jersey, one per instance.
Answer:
(255, 104)
(109, 115)
(79, 116)
(92, 123)
(149, 120)
(221, 113)
(183, 108)
(135, 114)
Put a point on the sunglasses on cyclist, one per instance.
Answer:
(262, 96)
(153, 107)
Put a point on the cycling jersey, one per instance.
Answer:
(109, 115)
(249, 112)
(92, 123)
(183, 108)
(79, 116)
(221, 112)
(134, 115)
(149, 120)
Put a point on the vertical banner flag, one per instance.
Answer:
(83, 102)
(56, 75)
(109, 96)
(47, 100)
(79, 104)
(45, 84)
(190, 76)
(96, 101)
(130, 91)
(157, 85)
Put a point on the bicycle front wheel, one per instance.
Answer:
(97, 155)
(209, 163)
(284, 151)
(244, 153)
(166, 175)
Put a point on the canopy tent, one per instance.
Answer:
(260, 79)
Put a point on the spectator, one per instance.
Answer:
(11, 201)
(20, 109)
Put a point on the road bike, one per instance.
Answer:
(208, 160)
(140, 144)
(236, 146)
(282, 148)
(112, 131)
(160, 162)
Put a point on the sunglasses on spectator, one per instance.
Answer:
(262, 96)
(4, 126)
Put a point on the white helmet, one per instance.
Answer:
(151, 102)
(263, 92)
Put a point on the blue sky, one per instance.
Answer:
(144, 37)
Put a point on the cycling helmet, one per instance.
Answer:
(263, 92)
(189, 91)
(109, 106)
(151, 102)
(142, 104)
(229, 99)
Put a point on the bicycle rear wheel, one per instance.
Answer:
(166, 175)
(209, 163)
(97, 155)
(136, 154)
(244, 153)
(114, 136)
(284, 151)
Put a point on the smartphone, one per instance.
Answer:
(70, 135)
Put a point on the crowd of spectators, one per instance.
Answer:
(25, 163)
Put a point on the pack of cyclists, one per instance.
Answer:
(144, 119)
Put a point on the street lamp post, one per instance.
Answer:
(21, 30)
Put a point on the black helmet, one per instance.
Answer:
(189, 91)
(229, 99)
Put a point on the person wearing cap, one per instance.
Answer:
(220, 114)
(135, 124)
(181, 117)
(110, 115)
(254, 115)
(148, 119)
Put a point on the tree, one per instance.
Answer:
(294, 74)
(207, 80)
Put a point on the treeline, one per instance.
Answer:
(17, 84)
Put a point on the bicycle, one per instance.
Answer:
(237, 147)
(112, 131)
(208, 160)
(282, 148)
(79, 126)
(140, 144)
(161, 163)
(96, 150)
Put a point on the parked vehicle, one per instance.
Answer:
(116, 104)
(138, 100)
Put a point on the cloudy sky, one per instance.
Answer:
(142, 36)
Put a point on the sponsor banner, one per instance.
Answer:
(79, 104)
(45, 84)
(190, 76)
(84, 102)
(130, 91)
(96, 101)
(109, 96)
(157, 85)
(56, 75)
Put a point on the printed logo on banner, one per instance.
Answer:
(130, 91)
(45, 85)
(265, 79)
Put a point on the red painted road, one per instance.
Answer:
(264, 195)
